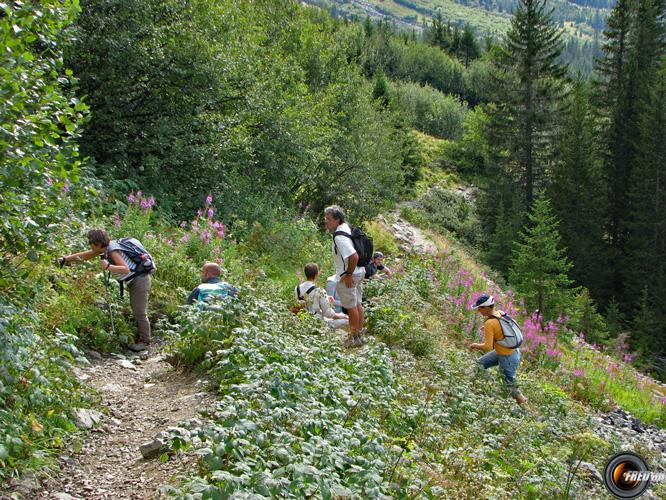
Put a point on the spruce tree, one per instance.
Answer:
(539, 265)
(524, 115)
(645, 264)
(579, 196)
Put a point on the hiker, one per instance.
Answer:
(507, 359)
(332, 292)
(348, 275)
(376, 266)
(116, 257)
(211, 286)
(317, 301)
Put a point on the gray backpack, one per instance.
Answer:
(513, 336)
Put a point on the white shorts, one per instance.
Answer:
(350, 297)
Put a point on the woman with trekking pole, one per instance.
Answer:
(132, 264)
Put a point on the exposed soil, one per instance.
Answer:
(138, 403)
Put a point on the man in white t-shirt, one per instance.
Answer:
(348, 275)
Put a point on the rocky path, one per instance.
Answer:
(141, 397)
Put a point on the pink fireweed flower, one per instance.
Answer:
(200, 213)
(195, 223)
(205, 236)
(602, 384)
(663, 400)
(220, 233)
(169, 242)
(183, 225)
(131, 198)
(578, 373)
(627, 358)
(209, 199)
(49, 182)
(151, 201)
(65, 188)
(210, 212)
(185, 238)
(139, 194)
(144, 205)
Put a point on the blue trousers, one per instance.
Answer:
(508, 365)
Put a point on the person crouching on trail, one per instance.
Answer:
(211, 286)
(117, 261)
(507, 359)
(317, 301)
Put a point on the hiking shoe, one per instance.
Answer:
(138, 347)
(521, 400)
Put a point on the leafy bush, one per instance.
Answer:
(296, 416)
(429, 110)
(41, 120)
(37, 389)
(382, 238)
(450, 211)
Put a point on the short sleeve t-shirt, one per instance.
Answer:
(345, 249)
(115, 246)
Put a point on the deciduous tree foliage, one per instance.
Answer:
(192, 97)
(40, 118)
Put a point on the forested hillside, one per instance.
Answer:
(218, 132)
(582, 22)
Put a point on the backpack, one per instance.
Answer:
(307, 292)
(136, 252)
(208, 292)
(513, 336)
(362, 244)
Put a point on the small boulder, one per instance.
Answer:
(153, 448)
(126, 364)
(85, 418)
(592, 470)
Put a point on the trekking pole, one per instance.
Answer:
(107, 278)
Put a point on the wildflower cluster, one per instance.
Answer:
(204, 225)
(140, 201)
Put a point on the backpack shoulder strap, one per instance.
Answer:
(340, 233)
(307, 292)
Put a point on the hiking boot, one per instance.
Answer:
(520, 399)
(359, 340)
(138, 347)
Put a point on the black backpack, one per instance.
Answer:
(362, 245)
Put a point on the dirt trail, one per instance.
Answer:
(141, 396)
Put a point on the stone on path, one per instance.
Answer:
(85, 418)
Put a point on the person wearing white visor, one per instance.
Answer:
(507, 359)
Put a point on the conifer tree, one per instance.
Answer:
(524, 117)
(579, 196)
(645, 264)
(539, 265)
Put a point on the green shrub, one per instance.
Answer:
(429, 110)
(450, 211)
(37, 389)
